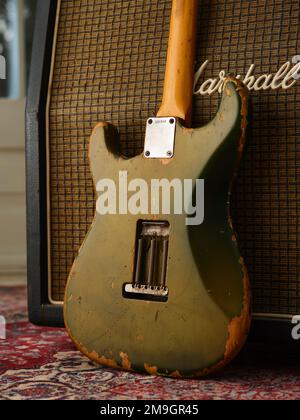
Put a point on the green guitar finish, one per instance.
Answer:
(205, 321)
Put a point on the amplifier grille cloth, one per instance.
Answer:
(109, 65)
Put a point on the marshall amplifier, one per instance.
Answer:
(99, 60)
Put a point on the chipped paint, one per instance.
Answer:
(176, 375)
(242, 91)
(152, 370)
(111, 363)
(228, 92)
(166, 162)
(239, 326)
(102, 360)
(126, 363)
(238, 329)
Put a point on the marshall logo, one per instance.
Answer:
(285, 78)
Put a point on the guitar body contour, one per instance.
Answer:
(205, 321)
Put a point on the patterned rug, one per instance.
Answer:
(41, 363)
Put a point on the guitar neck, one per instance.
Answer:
(179, 78)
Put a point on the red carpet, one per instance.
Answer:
(41, 363)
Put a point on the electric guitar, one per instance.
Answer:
(158, 286)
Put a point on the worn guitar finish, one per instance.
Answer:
(203, 322)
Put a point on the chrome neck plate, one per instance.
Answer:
(160, 138)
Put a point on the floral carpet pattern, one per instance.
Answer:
(42, 364)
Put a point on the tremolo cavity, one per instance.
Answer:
(151, 262)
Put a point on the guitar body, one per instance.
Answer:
(205, 320)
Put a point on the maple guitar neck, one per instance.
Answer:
(179, 79)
